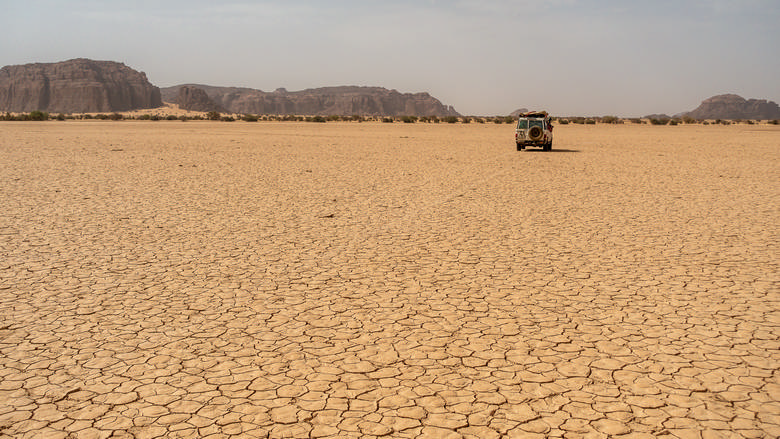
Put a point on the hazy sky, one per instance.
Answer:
(488, 57)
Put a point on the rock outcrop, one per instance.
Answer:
(347, 100)
(76, 86)
(195, 99)
(731, 106)
(518, 112)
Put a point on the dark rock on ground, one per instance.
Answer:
(76, 86)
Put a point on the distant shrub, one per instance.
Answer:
(688, 119)
(590, 122)
(563, 121)
(318, 119)
(749, 122)
(213, 115)
(465, 119)
(38, 115)
(156, 117)
(774, 122)
(451, 119)
(250, 118)
(433, 119)
(183, 118)
(227, 119)
(479, 120)
(610, 119)
(673, 122)
(659, 121)
(101, 116)
(60, 116)
(115, 116)
(408, 119)
(145, 117)
(387, 120)
(334, 118)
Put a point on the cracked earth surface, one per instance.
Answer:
(362, 280)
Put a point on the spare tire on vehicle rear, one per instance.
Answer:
(535, 133)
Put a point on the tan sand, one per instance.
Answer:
(199, 279)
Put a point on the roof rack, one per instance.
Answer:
(534, 114)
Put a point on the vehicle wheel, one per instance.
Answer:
(535, 133)
(520, 147)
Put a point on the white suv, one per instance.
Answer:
(534, 129)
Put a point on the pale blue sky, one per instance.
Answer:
(571, 57)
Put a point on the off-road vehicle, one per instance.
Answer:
(534, 129)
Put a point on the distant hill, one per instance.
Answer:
(75, 86)
(657, 116)
(518, 112)
(195, 99)
(346, 100)
(731, 106)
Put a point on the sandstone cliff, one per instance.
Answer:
(348, 100)
(195, 99)
(75, 86)
(731, 106)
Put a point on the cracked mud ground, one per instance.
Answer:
(415, 281)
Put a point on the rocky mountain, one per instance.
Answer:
(75, 86)
(195, 99)
(731, 106)
(347, 100)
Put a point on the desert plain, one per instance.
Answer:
(305, 280)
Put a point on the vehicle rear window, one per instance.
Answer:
(522, 124)
(537, 123)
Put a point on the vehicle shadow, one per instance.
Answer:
(552, 150)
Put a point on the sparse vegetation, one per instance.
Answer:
(408, 119)
(658, 121)
(250, 118)
(773, 122)
(610, 119)
(590, 122)
(451, 119)
(213, 115)
(387, 120)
